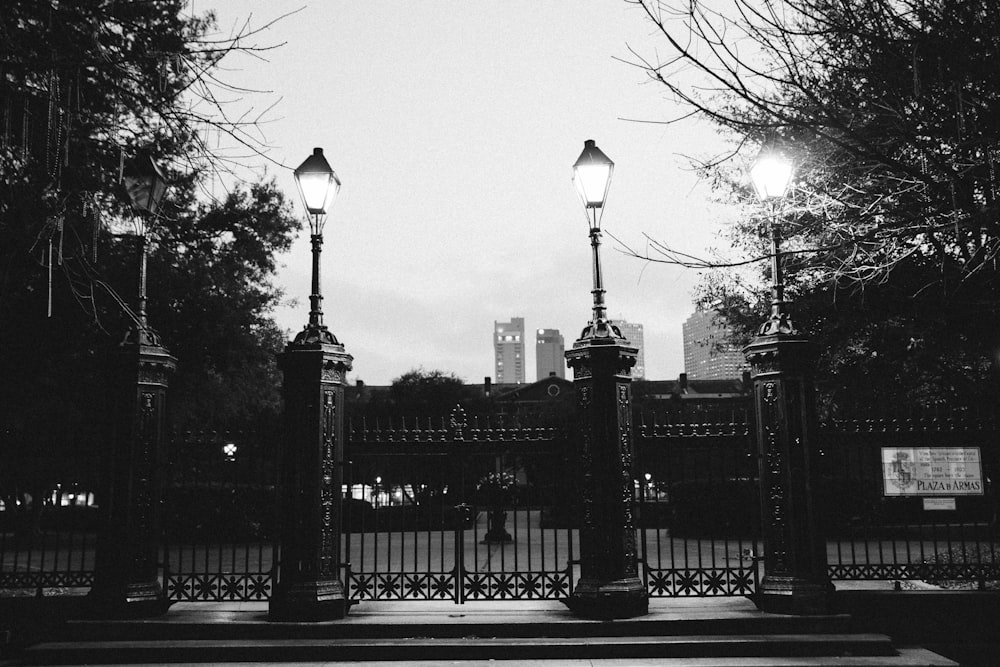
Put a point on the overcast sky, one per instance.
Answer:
(453, 126)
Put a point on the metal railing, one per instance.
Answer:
(879, 531)
(49, 519)
(220, 515)
(416, 526)
(699, 510)
(423, 521)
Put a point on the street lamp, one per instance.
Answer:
(781, 359)
(146, 185)
(318, 187)
(315, 367)
(126, 571)
(592, 177)
(601, 359)
(771, 174)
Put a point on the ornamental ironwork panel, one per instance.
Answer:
(516, 585)
(46, 579)
(701, 582)
(402, 586)
(218, 587)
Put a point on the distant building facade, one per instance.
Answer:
(550, 354)
(633, 333)
(708, 354)
(508, 351)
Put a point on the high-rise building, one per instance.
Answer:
(550, 354)
(708, 354)
(508, 349)
(633, 333)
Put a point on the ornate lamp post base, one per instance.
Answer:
(308, 587)
(609, 585)
(139, 600)
(606, 600)
(126, 577)
(793, 595)
(313, 600)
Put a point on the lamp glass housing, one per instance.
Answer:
(771, 174)
(145, 185)
(592, 175)
(317, 183)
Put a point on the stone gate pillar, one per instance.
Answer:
(308, 585)
(126, 575)
(609, 585)
(795, 568)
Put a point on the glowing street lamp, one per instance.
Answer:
(592, 177)
(601, 359)
(318, 187)
(771, 174)
(315, 367)
(796, 580)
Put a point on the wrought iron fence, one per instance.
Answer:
(49, 515)
(220, 515)
(417, 527)
(699, 513)
(912, 498)
(457, 509)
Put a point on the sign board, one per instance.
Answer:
(939, 504)
(932, 471)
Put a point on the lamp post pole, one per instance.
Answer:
(609, 585)
(126, 576)
(600, 314)
(315, 366)
(316, 298)
(781, 360)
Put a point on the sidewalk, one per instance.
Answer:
(393, 612)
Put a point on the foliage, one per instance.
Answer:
(416, 394)
(426, 392)
(84, 87)
(892, 112)
(214, 293)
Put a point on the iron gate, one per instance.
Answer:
(458, 511)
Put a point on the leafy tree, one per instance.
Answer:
(892, 112)
(425, 393)
(84, 87)
(214, 268)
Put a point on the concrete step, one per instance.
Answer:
(413, 649)
(906, 657)
(256, 626)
